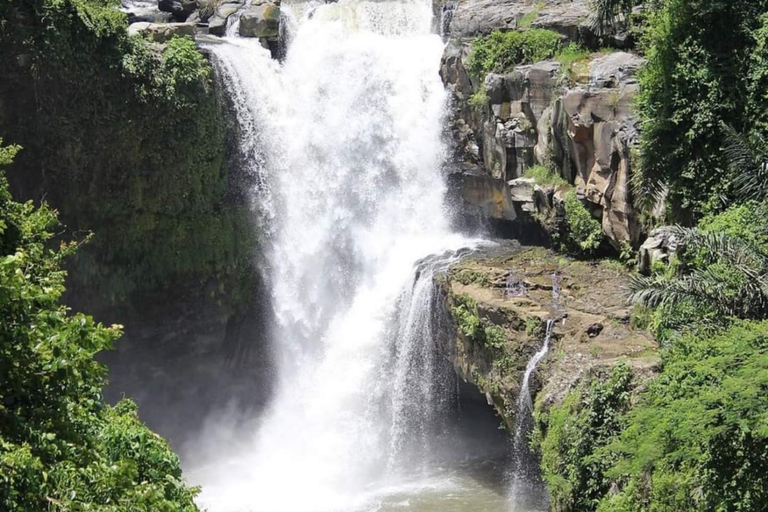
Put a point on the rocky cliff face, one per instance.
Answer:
(576, 117)
(499, 299)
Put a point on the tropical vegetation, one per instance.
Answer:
(61, 447)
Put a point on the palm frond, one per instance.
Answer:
(732, 278)
(748, 164)
(717, 246)
(605, 14)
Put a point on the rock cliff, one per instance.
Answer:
(499, 299)
(573, 116)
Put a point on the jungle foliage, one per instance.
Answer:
(706, 69)
(61, 447)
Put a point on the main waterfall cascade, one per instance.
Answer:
(344, 142)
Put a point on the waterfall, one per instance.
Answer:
(527, 492)
(343, 141)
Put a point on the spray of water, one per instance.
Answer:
(344, 141)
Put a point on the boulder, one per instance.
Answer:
(660, 246)
(470, 18)
(217, 23)
(262, 21)
(161, 32)
(180, 9)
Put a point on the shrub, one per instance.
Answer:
(61, 447)
(698, 439)
(584, 235)
(747, 221)
(501, 51)
(570, 433)
(545, 176)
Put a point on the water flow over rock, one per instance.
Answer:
(344, 140)
(527, 491)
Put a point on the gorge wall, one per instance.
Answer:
(573, 116)
(126, 137)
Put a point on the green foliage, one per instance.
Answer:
(700, 54)
(534, 327)
(475, 329)
(568, 435)
(757, 88)
(698, 440)
(747, 221)
(747, 158)
(583, 235)
(124, 137)
(479, 100)
(501, 51)
(545, 176)
(719, 276)
(574, 59)
(61, 447)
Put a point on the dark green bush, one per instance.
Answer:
(703, 70)
(569, 434)
(61, 447)
(583, 234)
(698, 439)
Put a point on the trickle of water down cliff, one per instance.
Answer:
(344, 141)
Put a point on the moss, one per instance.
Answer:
(126, 139)
(476, 330)
(468, 276)
(527, 20)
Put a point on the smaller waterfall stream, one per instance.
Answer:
(527, 492)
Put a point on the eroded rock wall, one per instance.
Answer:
(576, 118)
(516, 289)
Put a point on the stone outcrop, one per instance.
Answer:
(162, 32)
(519, 288)
(577, 120)
(179, 9)
(261, 20)
(662, 243)
(476, 17)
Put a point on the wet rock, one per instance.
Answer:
(179, 9)
(660, 246)
(594, 330)
(481, 196)
(217, 23)
(262, 21)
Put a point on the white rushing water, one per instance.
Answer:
(344, 140)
